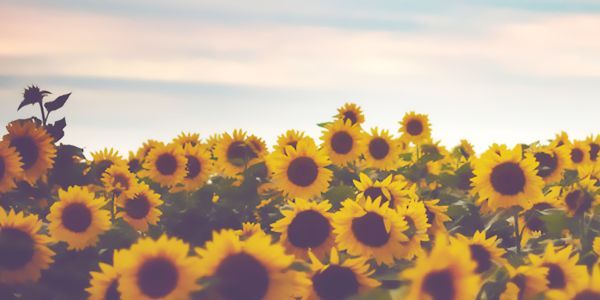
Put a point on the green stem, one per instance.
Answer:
(43, 113)
(517, 234)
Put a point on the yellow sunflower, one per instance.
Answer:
(580, 197)
(104, 284)
(187, 138)
(302, 171)
(563, 272)
(484, 251)
(252, 269)
(134, 162)
(533, 225)
(157, 269)
(448, 272)
(339, 280)
(436, 216)
(351, 112)
(370, 229)
(117, 179)
(343, 142)
(594, 146)
(249, 229)
(78, 218)
(306, 226)
(391, 190)
(415, 215)
(551, 162)
(415, 128)
(34, 146)
(234, 153)
(106, 158)
(289, 138)
(507, 179)
(24, 252)
(589, 171)
(258, 146)
(10, 167)
(140, 207)
(560, 139)
(198, 167)
(464, 151)
(148, 146)
(381, 150)
(165, 165)
(579, 153)
(589, 289)
(525, 282)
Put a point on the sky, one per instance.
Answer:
(487, 71)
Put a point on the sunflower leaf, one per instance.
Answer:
(56, 130)
(57, 103)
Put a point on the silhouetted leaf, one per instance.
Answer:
(56, 130)
(57, 103)
(32, 95)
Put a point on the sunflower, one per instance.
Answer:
(580, 197)
(531, 220)
(464, 151)
(579, 153)
(251, 269)
(157, 269)
(415, 215)
(563, 272)
(289, 138)
(415, 128)
(258, 146)
(589, 289)
(249, 229)
(525, 282)
(436, 216)
(10, 167)
(351, 112)
(306, 226)
(106, 158)
(560, 139)
(370, 229)
(382, 150)
(484, 251)
(551, 162)
(34, 146)
(140, 207)
(342, 141)
(24, 252)
(234, 153)
(212, 141)
(594, 146)
(507, 179)
(302, 171)
(339, 280)
(104, 284)
(77, 218)
(198, 167)
(184, 139)
(117, 179)
(165, 165)
(390, 190)
(134, 162)
(589, 171)
(446, 273)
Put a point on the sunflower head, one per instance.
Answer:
(188, 138)
(594, 146)
(579, 154)
(198, 166)
(118, 179)
(165, 165)
(34, 146)
(134, 162)
(391, 190)
(381, 150)
(415, 127)
(289, 138)
(104, 159)
(11, 168)
(104, 283)
(580, 197)
(342, 141)
(351, 112)
(464, 151)
(484, 251)
(139, 207)
(525, 282)
(551, 162)
(564, 274)
(235, 154)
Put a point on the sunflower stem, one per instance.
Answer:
(112, 209)
(517, 234)
(43, 113)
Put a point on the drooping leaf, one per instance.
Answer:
(57, 103)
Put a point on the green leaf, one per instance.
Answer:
(57, 103)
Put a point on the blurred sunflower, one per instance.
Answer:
(198, 167)
(157, 269)
(289, 138)
(306, 226)
(104, 159)
(302, 171)
(589, 171)
(446, 273)
(148, 146)
(560, 139)
(24, 252)
(525, 282)
(117, 179)
(580, 197)
(140, 207)
(78, 218)
(187, 138)
(390, 190)
(339, 280)
(415, 215)
(165, 165)
(351, 112)
(563, 272)
(589, 289)
(507, 179)
(382, 150)
(249, 270)
(10, 167)
(234, 153)
(531, 220)
(415, 128)
(594, 146)
(436, 216)
(134, 162)
(258, 146)
(484, 251)
(342, 141)
(104, 284)
(249, 229)
(551, 162)
(370, 229)
(579, 153)
(34, 146)
(464, 151)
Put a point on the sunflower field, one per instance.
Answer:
(356, 214)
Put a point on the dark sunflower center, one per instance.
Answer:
(439, 285)
(335, 282)
(28, 150)
(166, 164)
(379, 148)
(137, 207)
(350, 115)
(2, 167)
(309, 229)
(414, 127)
(547, 164)
(157, 277)
(534, 223)
(594, 149)
(579, 201)
(121, 180)
(374, 192)
(134, 165)
(576, 155)
(76, 217)
(508, 178)
(302, 171)
(556, 276)
(341, 142)
(112, 293)
(242, 277)
(16, 248)
(239, 153)
(587, 295)
(482, 257)
(464, 180)
(193, 167)
(370, 230)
